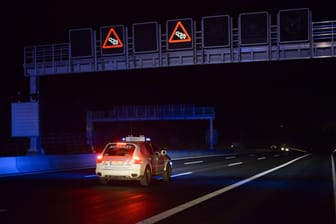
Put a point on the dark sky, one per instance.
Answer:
(248, 97)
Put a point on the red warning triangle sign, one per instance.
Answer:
(112, 40)
(179, 34)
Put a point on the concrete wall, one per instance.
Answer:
(38, 163)
(46, 163)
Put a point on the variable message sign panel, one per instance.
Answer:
(254, 28)
(294, 25)
(112, 39)
(216, 31)
(179, 34)
(145, 37)
(81, 42)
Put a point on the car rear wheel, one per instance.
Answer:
(146, 179)
(167, 173)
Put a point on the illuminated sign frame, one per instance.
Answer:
(112, 42)
(182, 29)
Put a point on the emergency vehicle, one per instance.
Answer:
(134, 158)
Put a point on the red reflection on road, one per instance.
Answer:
(110, 204)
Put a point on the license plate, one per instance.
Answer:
(113, 163)
(117, 162)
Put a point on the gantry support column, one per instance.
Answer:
(35, 141)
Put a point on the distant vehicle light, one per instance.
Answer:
(284, 149)
(148, 139)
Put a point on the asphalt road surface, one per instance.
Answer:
(290, 187)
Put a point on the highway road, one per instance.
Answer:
(291, 187)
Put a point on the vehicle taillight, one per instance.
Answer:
(136, 160)
(99, 158)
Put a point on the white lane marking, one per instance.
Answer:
(276, 155)
(235, 164)
(89, 176)
(334, 179)
(195, 157)
(3, 210)
(175, 175)
(194, 162)
(203, 198)
(261, 158)
(230, 157)
(181, 174)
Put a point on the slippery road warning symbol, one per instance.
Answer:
(112, 40)
(179, 34)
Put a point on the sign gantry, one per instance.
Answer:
(255, 38)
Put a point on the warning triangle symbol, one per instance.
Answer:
(112, 40)
(179, 34)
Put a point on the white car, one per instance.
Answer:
(133, 159)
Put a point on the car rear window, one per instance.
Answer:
(119, 150)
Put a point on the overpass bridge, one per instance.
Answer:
(181, 42)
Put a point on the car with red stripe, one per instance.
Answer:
(133, 159)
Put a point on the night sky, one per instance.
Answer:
(255, 102)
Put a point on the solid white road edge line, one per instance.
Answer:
(334, 180)
(203, 198)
